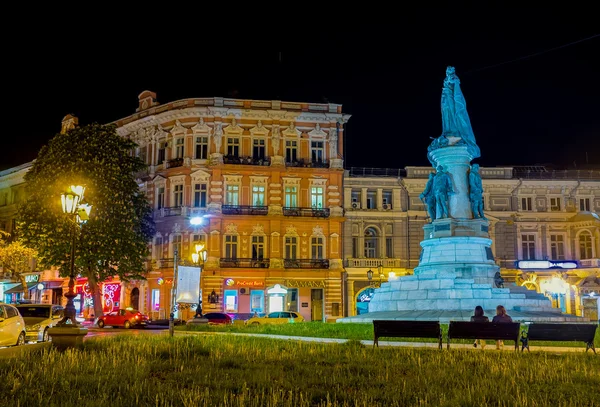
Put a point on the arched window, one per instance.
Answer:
(585, 246)
(371, 243)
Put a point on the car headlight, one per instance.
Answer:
(35, 327)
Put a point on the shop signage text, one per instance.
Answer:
(32, 278)
(230, 282)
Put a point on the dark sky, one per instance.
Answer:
(540, 109)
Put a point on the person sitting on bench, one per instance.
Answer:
(479, 317)
(500, 318)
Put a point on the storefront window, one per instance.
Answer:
(231, 300)
(257, 301)
(291, 300)
(155, 299)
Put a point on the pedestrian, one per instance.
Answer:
(479, 316)
(501, 318)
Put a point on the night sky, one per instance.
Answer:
(540, 109)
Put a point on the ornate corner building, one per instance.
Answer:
(544, 226)
(265, 180)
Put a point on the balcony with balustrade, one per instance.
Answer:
(176, 162)
(308, 212)
(244, 210)
(374, 263)
(306, 263)
(244, 263)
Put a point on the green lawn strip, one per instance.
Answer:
(249, 371)
(353, 331)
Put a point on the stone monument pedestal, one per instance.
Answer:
(67, 336)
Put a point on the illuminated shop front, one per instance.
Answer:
(84, 301)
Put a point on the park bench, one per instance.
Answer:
(484, 330)
(560, 332)
(407, 329)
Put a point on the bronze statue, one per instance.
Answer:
(442, 188)
(476, 192)
(428, 197)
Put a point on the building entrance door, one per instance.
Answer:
(316, 302)
(590, 309)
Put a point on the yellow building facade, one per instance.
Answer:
(264, 179)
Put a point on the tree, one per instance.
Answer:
(114, 241)
(15, 259)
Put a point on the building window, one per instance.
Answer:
(371, 200)
(258, 149)
(158, 241)
(528, 246)
(160, 198)
(316, 151)
(200, 195)
(176, 246)
(198, 239)
(233, 146)
(201, 148)
(526, 204)
(142, 153)
(584, 204)
(557, 247)
(291, 197)
(161, 152)
(233, 194)
(316, 197)
(387, 199)
(179, 145)
(258, 195)
(291, 247)
(585, 246)
(370, 243)
(291, 150)
(178, 195)
(389, 247)
(555, 204)
(258, 247)
(317, 247)
(355, 198)
(231, 244)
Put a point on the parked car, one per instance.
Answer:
(12, 326)
(218, 318)
(276, 318)
(38, 319)
(126, 318)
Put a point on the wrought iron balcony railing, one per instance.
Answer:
(244, 210)
(176, 162)
(374, 263)
(250, 263)
(310, 212)
(306, 263)
(173, 211)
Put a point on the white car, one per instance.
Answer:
(12, 326)
(38, 319)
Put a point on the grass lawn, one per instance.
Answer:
(249, 371)
(351, 331)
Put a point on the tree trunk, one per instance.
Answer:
(96, 295)
(24, 284)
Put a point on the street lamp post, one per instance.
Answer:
(199, 258)
(370, 276)
(72, 206)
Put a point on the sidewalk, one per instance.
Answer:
(491, 346)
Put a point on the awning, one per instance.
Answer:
(19, 288)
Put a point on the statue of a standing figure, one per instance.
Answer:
(456, 125)
(428, 197)
(217, 138)
(442, 188)
(476, 192)
(275, 138)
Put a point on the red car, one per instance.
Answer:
(126, 318)
(218, 318)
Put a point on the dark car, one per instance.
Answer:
(218, 318)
